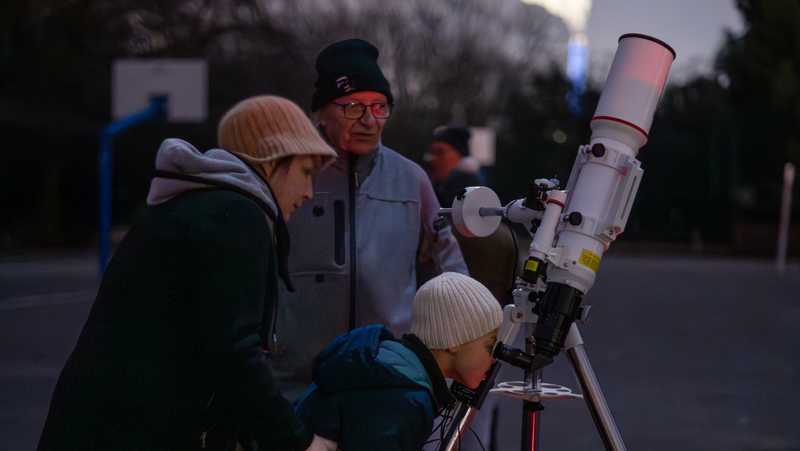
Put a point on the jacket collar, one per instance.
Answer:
(363, 163)
(441, 393)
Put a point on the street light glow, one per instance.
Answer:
(574, 12)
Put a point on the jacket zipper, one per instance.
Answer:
(353, 184)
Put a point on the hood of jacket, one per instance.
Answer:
(214, 165)
(368, 357)
(217, 168)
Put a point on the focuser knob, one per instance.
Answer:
(575, 218)
(598, 150)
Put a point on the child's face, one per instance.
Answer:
(472, 360)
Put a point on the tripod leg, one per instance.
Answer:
(457, 430)
(592, 393)
(531, 417)
(531, 411)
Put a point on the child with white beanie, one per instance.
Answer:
(373, 391)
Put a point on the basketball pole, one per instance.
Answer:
(156, 110)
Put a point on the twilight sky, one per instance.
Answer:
(694, 28)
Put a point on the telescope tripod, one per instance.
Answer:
(533, 392)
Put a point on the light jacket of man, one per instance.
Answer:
(354, 256)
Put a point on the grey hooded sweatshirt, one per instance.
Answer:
(216, 165)
(354, 255)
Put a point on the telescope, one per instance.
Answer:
(572, 230)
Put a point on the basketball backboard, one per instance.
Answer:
(184, 81)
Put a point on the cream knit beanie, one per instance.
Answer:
(266, 128)
(452, 309)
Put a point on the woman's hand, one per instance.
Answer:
(322, 444)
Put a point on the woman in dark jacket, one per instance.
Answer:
(171, 356)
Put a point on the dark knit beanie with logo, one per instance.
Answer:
(458, 137)
(345, 67)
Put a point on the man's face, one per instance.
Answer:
(359, 136)
(292, 183)
(472, 360)
(442, 158)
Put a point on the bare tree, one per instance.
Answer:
(448, 60)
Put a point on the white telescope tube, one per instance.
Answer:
(606, 174)
(634, 85)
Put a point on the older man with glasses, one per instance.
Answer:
(355, 246)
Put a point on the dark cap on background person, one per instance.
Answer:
(345, 67)
(458, 137)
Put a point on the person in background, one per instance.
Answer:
(494, 260)
(451, 167)
(372, 391)
(171, 355)
(355, 246)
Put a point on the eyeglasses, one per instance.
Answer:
(356, 110)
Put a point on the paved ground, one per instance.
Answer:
(693, 354)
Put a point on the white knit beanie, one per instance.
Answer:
(452, 309)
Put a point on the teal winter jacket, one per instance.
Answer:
(372, 391)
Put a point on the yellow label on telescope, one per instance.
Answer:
(590, 260)
(531, 265)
